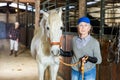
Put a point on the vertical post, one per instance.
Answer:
(37, 13)
(26, 15)
(32, 16)
(101, 33)
(18, 10)
(7, 16)
(67, 16)
(75, 17)
(7, 13)
(56, 3)
(102, 20)
(26, 24)
(48, 4)
(82, 8)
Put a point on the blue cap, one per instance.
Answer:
(83, 19)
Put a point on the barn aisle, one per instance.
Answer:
(23, 67)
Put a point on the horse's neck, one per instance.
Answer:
(44, 41)
(45, 45)
(36, 30)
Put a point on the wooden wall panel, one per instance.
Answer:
(2, 17)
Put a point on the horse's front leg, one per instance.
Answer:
(41, 71)
(53, 70)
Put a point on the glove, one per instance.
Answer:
(66, 53)
(90, 59)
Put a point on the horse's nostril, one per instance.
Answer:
(52, 52)
(55, 52)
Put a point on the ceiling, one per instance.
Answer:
(44, 4)
(50, 4)
(22, 1)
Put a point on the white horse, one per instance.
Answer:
(45, 46)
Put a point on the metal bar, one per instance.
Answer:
(102, 16)
(112, 13)
(32, 16)
(45, 2)
(7, 13)
(94, 12)
(113, 18)
(26, 24)
(99, 10)
(105, 9)
(66, 16)
(112, 7)
(18, 10)
(49, 6)
(56, 3)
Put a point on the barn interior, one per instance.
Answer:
(105, 21)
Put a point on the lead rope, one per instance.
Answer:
(82, 66)
(66, 64)
(74, 64)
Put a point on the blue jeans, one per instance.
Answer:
(89, 75)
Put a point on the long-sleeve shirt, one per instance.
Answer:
(88, 46)
(14, 33)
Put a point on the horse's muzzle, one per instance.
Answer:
(55, 52)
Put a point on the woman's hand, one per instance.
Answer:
(10, 36)
(84, 59)
(17, 40)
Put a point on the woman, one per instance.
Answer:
(14, 38)
(84, 45)
(85, 48)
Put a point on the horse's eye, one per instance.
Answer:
(47, 28)
(62, 28)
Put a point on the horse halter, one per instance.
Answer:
(56, 43)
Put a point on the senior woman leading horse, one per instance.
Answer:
(84, 45)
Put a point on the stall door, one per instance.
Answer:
(2, 30)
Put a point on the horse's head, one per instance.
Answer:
(53, 28)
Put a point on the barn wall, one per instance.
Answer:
(2, 17)
(93, 9)
(11, 19)
(65, 71)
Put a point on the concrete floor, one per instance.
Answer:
(22, 67)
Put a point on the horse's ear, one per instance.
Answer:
(44, 13)
(60, 11)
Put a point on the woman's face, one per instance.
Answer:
(84, 28)
(16, 25)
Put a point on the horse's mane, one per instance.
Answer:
(42, 25)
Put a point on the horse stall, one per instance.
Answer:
(105, 71)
